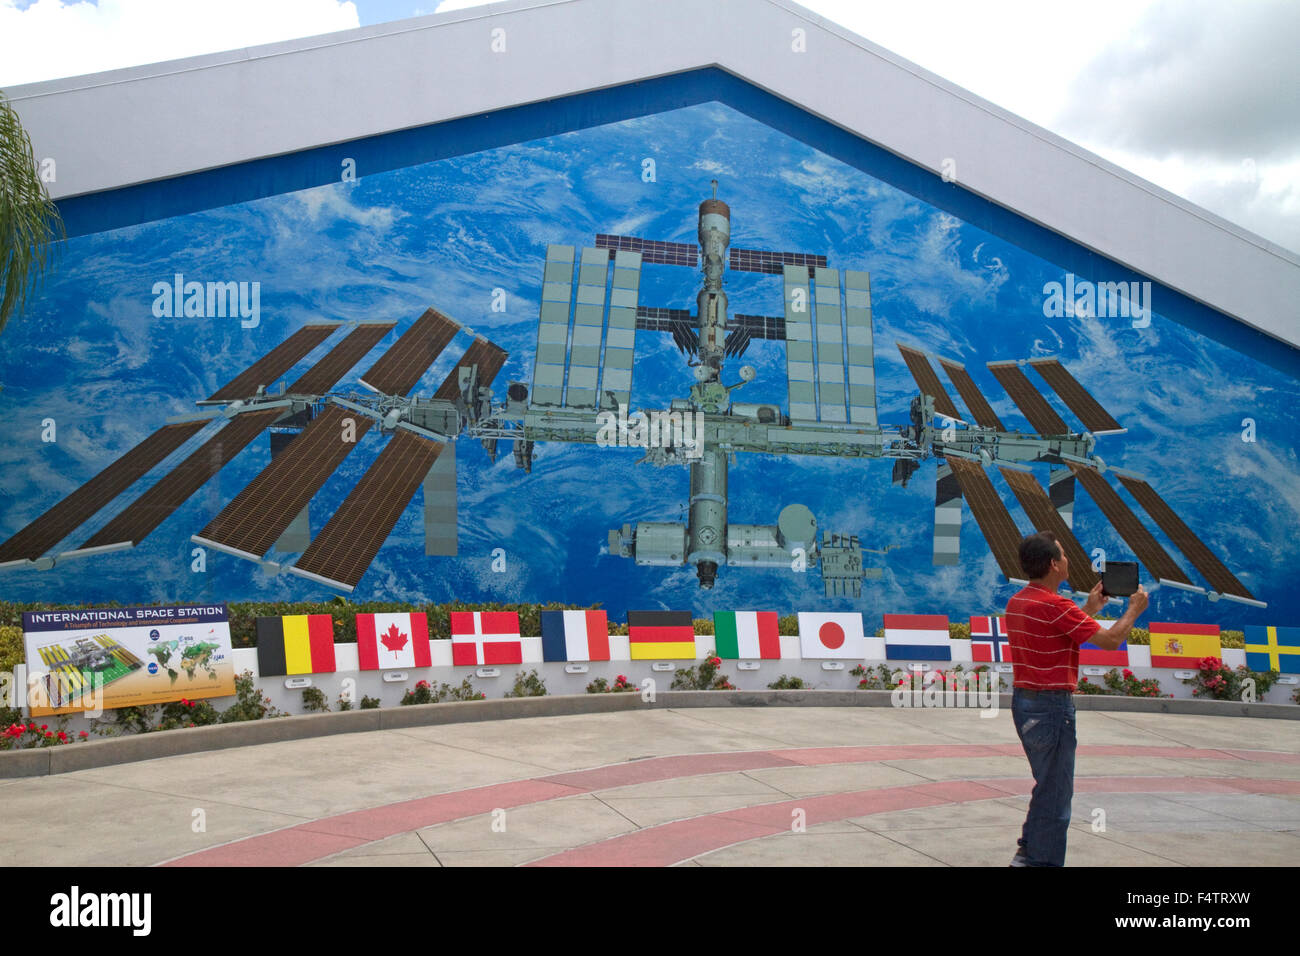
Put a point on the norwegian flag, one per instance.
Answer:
(485, 638)
(988, 640)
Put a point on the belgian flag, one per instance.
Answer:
(295, 644)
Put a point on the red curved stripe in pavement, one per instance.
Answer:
(293, 846)
(674, 842)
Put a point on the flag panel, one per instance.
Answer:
(988, 640)
(388, 641)
(485, 638)
(836, 636)
(747, 635)
(918, 637)
(660, 635)
(1183, 645)
(1273, 649)
(295, 644)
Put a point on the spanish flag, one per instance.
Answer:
(661, 635)
(295, 644)
(1183, 645)
(1273, 649)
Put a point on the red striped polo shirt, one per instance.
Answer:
(1045, 630)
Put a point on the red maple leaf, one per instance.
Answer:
(393, 639)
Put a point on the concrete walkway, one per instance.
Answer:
(712, 787)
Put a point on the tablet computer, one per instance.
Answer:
(1119, 579)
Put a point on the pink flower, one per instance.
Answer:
(84, 734)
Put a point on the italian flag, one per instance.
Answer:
(747, 635)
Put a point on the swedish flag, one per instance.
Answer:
(1273, 649)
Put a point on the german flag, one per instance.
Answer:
(1183, 645)
(295, 644)
(661, 635)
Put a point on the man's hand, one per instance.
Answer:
(1095, 601)
(1138, 601)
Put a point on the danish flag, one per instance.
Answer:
(485, 638)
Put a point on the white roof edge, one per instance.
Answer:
(104, 138)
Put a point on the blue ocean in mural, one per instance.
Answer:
(90, 355)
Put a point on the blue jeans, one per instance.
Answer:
(1045, 722)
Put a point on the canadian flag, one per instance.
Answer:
(386, 641)
(486, 638)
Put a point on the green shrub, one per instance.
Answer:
(370, 703)
(1122, 685)
(602, 686)
(785, 682)
(529, 685)
(703, 676)
(425, 693)
(314, 701)
(11, 648)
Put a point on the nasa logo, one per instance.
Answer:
(153, 668)
(153, 634)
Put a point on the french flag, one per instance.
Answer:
(575, 636)
(988, 640)
(1091, 654)
(486, 638)
(917, 637)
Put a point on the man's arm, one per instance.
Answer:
(1111, 638)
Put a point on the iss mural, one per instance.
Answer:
(546, 424)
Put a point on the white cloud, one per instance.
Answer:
(56, 38)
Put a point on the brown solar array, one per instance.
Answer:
(260, 513)
(772, 263)
(972, 396)
(1095, 418)
(1155, 558)
(1031, 404)
(991, 514)
(1214, 570)
(73, 511)
(488, 357)
(349, 542)
(927, 381)
(171, 491)
(325, 374)
(399, 369)
(1033, 499)
(273, 364)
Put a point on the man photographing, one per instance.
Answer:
(1045, 630)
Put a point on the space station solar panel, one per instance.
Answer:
(991, 515)
(759, 326)
(273, 364)
(654, 319)
(772, 263)
(1153, 557)
(73, 511)
(971, 395)
(1095, 418)
(325, 374)
(347, 544)
(859, 348)
(1214, 570)
(583, 359)
(488, 357)
(928, 382)
(652, 250)
(1044, 516)
(251, 523)
(800, 370)
(620, 334)
(553, 327)
(1040, 415)
(401, 367)
(173, 489)
(829, 330)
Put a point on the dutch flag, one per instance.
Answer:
(917, 637)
